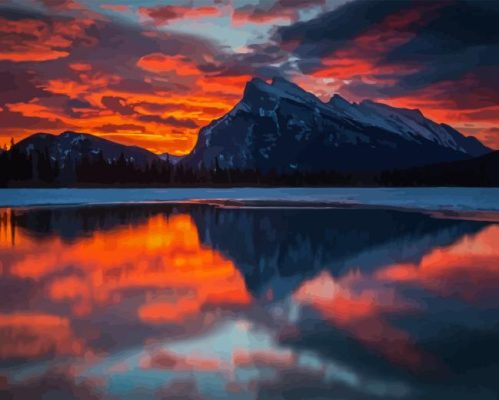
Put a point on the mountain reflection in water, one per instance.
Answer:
(199, 302)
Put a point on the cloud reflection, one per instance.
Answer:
(162, 258)
(468, 269)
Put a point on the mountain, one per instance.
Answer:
(280, 126)
(74, 146)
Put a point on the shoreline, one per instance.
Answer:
(441, 213)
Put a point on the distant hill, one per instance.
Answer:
(79, 158)
(73, 146)
(281, 127)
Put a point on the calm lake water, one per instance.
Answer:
(199, 302)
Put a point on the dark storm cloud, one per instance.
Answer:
(460, 45)
(441, 41)
(324, 34)
(463, 38)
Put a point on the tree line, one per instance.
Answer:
(37, 168)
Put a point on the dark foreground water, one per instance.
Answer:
(198, 302)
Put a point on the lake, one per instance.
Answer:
(197, 301)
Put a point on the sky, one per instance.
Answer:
(152, 73)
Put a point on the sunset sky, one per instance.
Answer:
(152, 73)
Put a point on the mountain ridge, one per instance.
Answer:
(280, 126)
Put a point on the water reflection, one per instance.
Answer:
(194, 301)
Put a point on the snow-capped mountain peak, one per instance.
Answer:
(281, 126)
(279, 88)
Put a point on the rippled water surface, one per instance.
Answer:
(199, 302)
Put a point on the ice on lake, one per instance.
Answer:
(459, 199)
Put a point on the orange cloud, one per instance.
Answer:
(345, 65)
(13, 48)
(35, 40)
(229, 86)
(159, 63)
(487, 135)
(169, 312)
(80, 67)
(87, 81)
